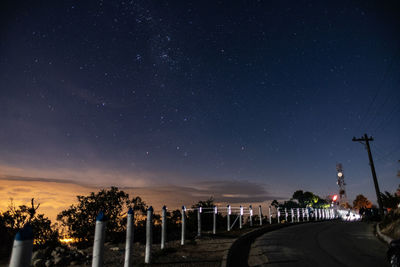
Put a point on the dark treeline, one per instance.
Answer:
(78, 221)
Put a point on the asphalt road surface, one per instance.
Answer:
(333, 243)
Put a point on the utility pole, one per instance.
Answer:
(366, 139)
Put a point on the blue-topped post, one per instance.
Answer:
(22, 248)
(183, 230)
(292, 214)
(298, 215)
(199, 211)
(129, 238)
(99, 238)
(251, 216)
(228, 217)
(270, 215)
(163, 226)
(215, 220)
(286, 214)
(278, 214)
(149, 235)
(240, 217)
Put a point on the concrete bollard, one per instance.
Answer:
(149, 235)
(228, 217)
(215, 220)
(241, 217)
(199, 210)
(99, 238)
(270, 215)
(163, 226)
(21, 254)
(292, 215)
(129, 238)
(183, 230)
(251, 216)
(278, 214)
(298, 215)
(286, 214)
(260, 214)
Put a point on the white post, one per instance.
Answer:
(292, 212)
(199, 210)
(129, 238)
(183, 225)
(260, 214)
(228, 217)
(251, 215)
(149, 235)
(270, 215)
(240, 217)
(303, 214)
(163, 226)
(278, 214)
(99, 237)
(298, 215)
(308, 214)
(286, 214)
(21, 254)
(316, 214)
(215, 220)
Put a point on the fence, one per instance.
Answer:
(23, 243)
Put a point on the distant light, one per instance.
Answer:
(334, 198)
(340, 174)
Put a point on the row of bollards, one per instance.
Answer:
(23, 243)
(318, 214)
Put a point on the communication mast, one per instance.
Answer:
(342, 185)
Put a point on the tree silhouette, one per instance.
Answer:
(361, 202)
(80, 219)
(390, 201)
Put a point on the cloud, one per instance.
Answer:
(21, 189)
(56, 195)
(98, 177)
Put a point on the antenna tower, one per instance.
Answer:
(341, 184)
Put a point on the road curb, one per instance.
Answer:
(238, 252)
(385, 238)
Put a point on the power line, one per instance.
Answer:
(369, 109)
(382, 125)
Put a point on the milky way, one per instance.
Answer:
(142, 93)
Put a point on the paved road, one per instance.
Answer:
(319, 244)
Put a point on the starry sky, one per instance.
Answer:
(248, 100)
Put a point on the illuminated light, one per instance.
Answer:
(340, 174)
(334, 198)
(68, 240)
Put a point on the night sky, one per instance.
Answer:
(263, 96)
